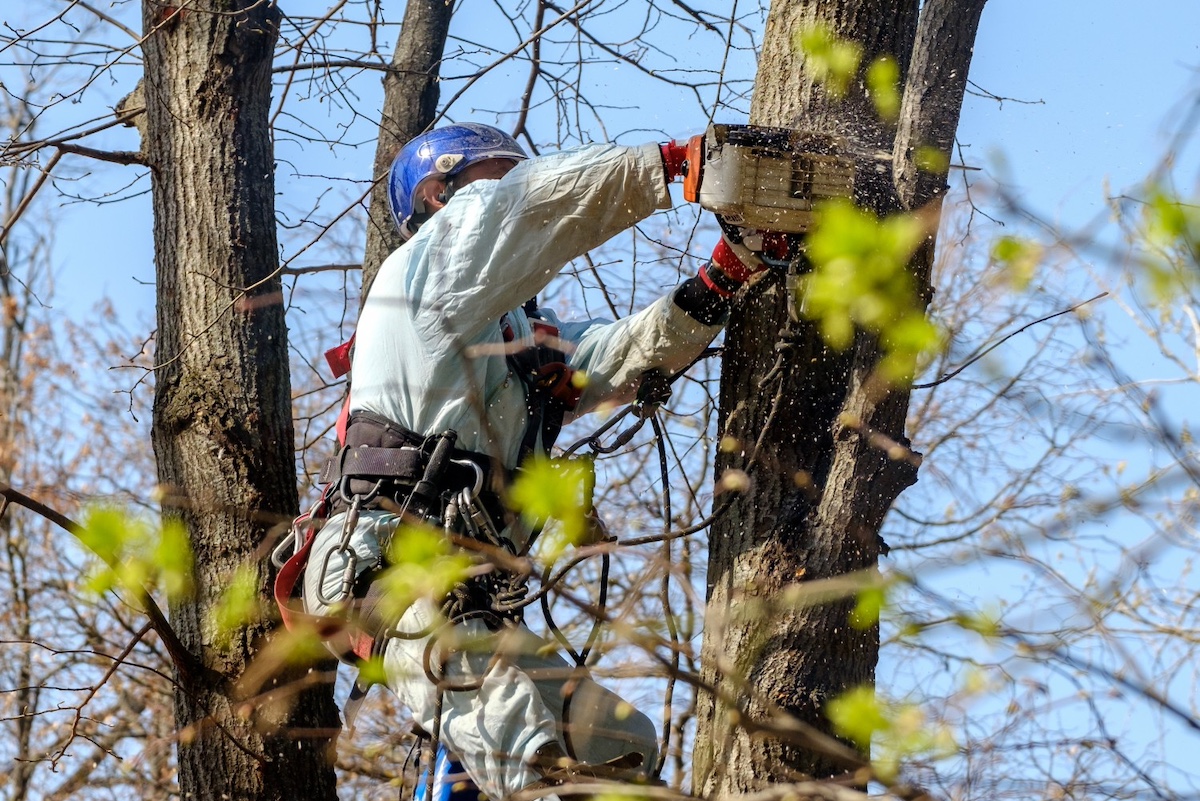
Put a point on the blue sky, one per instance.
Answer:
(1092, 85)
(1103, 78)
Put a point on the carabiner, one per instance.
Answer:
(349, 572)
(278, 556)
(475, 490)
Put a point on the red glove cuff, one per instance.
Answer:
(729, 263)
(674, 156)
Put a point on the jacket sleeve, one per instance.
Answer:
(498, 243)
(613, 356)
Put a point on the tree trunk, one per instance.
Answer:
(820, 484)
(222, 425)
(410, 97)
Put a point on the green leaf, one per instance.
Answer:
(370, 671)
(1165, 217)
(173, 554)
(1020, 259)
(423, 563)
(857, 715)
(910, 339)
(240, 604)
(105, 532)
(302, 645)
(135, 556)
(861, 279)
(930, 159)
(832, 61)
(559, 489)
(897, 731)
(1171, 243)
(871, 602)
(883, 82)
(985, 623)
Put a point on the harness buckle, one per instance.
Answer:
(352, 498)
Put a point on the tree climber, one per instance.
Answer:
(455, 383)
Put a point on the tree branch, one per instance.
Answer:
(180, 656)
(115, 156)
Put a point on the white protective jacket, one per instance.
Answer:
(428, 352)
(429, 355)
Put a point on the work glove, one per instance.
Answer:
(732, 264)
(685, 160)
(675, 159)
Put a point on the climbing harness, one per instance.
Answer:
(383, 465)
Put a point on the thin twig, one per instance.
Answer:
(947, 376)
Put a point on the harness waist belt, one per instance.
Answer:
(405, 465)
(378, 449)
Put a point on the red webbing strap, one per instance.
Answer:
(338, 633)
(338, 360)
(343, 421)
(285, 584)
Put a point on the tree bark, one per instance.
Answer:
(410, 97)
(823, 479)
(222, 426)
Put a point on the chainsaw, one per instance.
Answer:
(762, 182)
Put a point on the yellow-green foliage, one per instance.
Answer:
(423, 564)
(240, 604)
(985, 622)
(869, 605)
(832, 61)
(136, 556)
(883, 81)
(1172, 243)
(896, 731)
(861, 278)
(559, 489)
(370, 671)
(930, 159)
(1019, 259)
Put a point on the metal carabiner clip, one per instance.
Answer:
(478, 487)
(350, 571)
(279, 555)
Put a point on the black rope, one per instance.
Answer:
(672, 629)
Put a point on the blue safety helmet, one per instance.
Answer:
(441, 153)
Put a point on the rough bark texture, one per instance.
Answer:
(410, 96)
(821, 484)
(222, 424)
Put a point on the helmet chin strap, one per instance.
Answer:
(449, 191)
(418, 218)
(421, 213)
